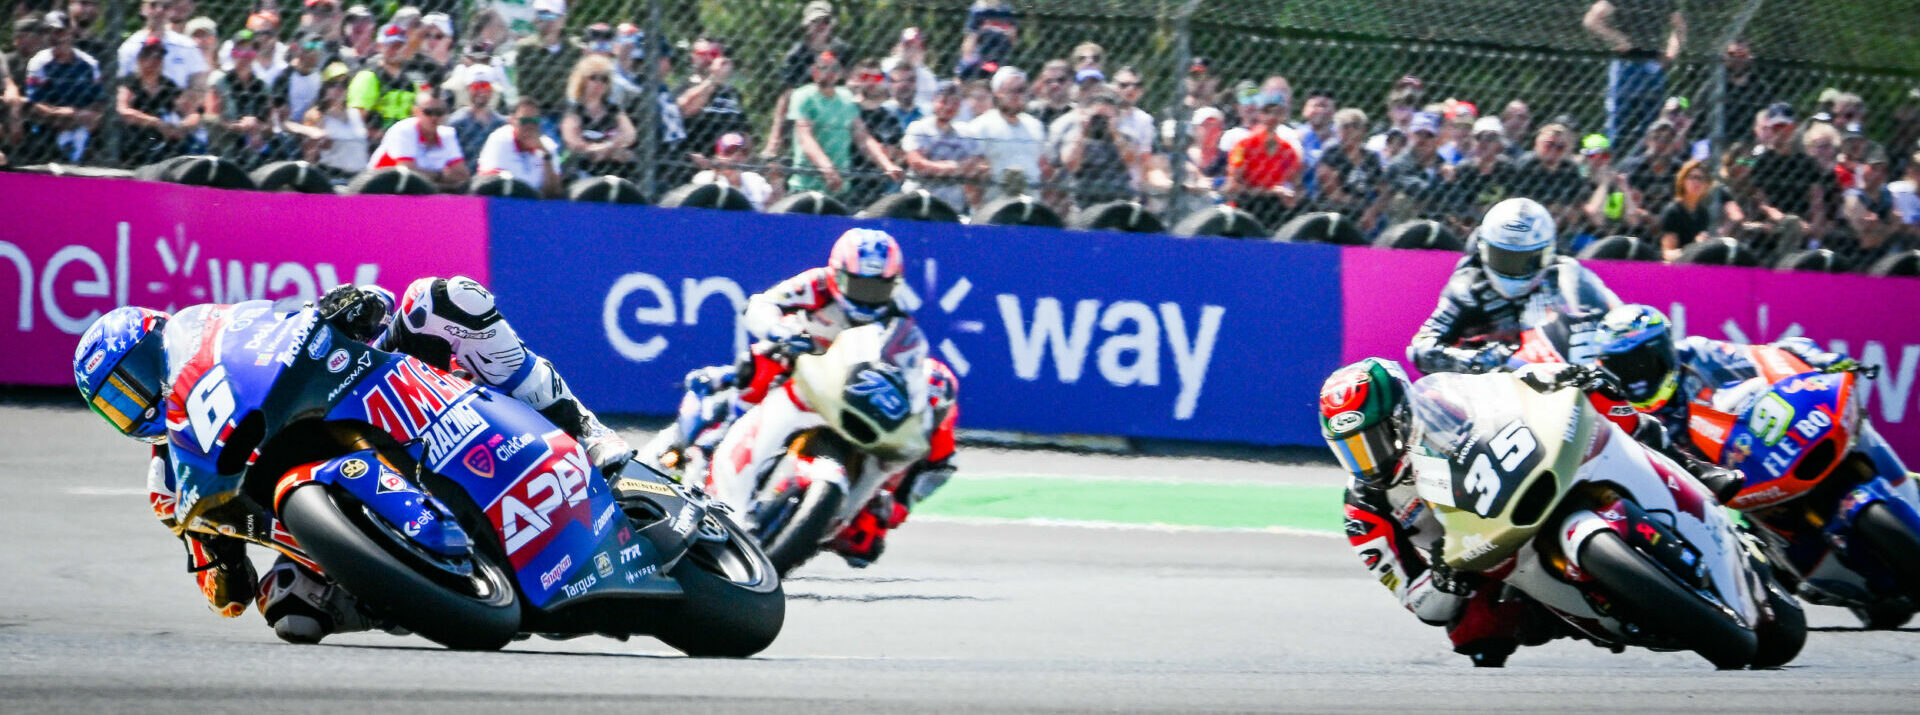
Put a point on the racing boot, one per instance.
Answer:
(863, 540)
(1723, 482)
(219, 564)
(304, 607)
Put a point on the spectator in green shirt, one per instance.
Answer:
(383, 94)
(826, 129)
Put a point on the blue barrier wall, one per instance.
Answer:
(1051, 331)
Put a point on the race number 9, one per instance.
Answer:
(1770, 418)
(209, 406)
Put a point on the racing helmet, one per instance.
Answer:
(1635, 343)
(120, 367)
(1515, 241)
(862, 272)
(1366, 420)
(943, 389)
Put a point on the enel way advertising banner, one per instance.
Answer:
(73, 248)
(1049, 330)
(1876, 320)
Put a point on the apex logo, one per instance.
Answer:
(553, 493)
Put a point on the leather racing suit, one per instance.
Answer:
(1475, 327)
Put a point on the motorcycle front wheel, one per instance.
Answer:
(1898, 549)
(1652, 599)
(476, 612)
(734, 605)
(797, 521)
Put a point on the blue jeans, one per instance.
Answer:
(1635, 90)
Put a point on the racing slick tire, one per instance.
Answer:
(480, 612)
(799, 536)
(734, 605)
(1655, 600)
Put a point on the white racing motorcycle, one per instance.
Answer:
(802, 464)
(1538, 492)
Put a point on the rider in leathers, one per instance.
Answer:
(448, 322)
(803, 315)
(1513, 267)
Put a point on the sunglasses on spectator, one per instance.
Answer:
(435, 36)
(1557, 146)
(599, 78)
(873, 78)
(313, 45)
(1126, 85)
(532, 121)
(434, 111)
(1086, 58)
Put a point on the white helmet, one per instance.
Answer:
(1515, 241)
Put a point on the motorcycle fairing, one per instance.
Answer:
(1790, 437)
(422, 518)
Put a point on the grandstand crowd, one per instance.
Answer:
(547, 101)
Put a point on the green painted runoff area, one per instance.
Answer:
(1204, 504)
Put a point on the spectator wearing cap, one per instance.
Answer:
(827, 129)
(476, 123)
(911, 52)
(991, 30)
(1088, 55)
(520, 151)
(65, 97)
(1264, 169)
(185, 63)
(436, 41)
(1011, 140)
(1456, 129)
(298, 86)
(384, 93)
(477, 63)
(1612, 207)
(1645, 37)
(1653, 171)
(1197, 89)
(1790, 182)
(1099, 158)
(597, 134)
(336, 136)
(423, 143)
(1087, 81)
(1402, 102)
(1421, 181)
(270, 56)
(1484, 177)
(360, 44)
(796, 69)
(159, 118)
(1877, 228)
(728, 167)
(1352, 179)
(542, 61)
(206, 36)
(940, 157)
(82, 17)
(710, 104)
(1053, 98)
(241, 111)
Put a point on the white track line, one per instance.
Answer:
(107, 491)
(1121, 525)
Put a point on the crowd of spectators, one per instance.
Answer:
(352, 91)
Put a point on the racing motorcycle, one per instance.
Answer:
(446, 508)
(848, 424)
(1837, 511)
(1836, 507)
(1537, 491)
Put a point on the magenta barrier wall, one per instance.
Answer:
(1388, 293)
(71, 248)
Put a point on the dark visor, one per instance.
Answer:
(1515, 264)
(866, 290)
(1643, 370)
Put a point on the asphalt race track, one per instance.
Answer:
(97, 615)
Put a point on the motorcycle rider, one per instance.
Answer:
(1661, 377)
(802, 315)
(1513, 268)
(128, 359)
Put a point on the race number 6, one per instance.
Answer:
(209, 406)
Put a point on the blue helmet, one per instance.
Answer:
(121, 369)
(1635, 343)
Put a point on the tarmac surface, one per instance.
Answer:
(961, 615)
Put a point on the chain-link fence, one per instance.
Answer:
(1784, 125)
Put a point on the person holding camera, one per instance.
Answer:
(1097, 156)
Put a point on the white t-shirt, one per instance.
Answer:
(403, 141)
(347, 135)
(752, 184)
(1008, 145)
(302, 91)
(924, 83)
(1906, 201)
(267, 67)
(502, 154)
(182, 62)
(924, 136)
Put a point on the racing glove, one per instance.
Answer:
(1489, 358)
(1445, 579)
(361, 313)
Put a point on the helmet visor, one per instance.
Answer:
(1643, 370)
(133, 388)
(1509, 263)
(866, 290)
(1371, 455)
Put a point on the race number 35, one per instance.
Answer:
(1510, 448)
(209, 406)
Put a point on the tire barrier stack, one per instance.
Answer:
(1224, 221)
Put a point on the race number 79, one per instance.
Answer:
(209, 406)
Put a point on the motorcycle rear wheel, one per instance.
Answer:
(734, 605)
(798, 539)
(482, 615)
(1655, 600)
